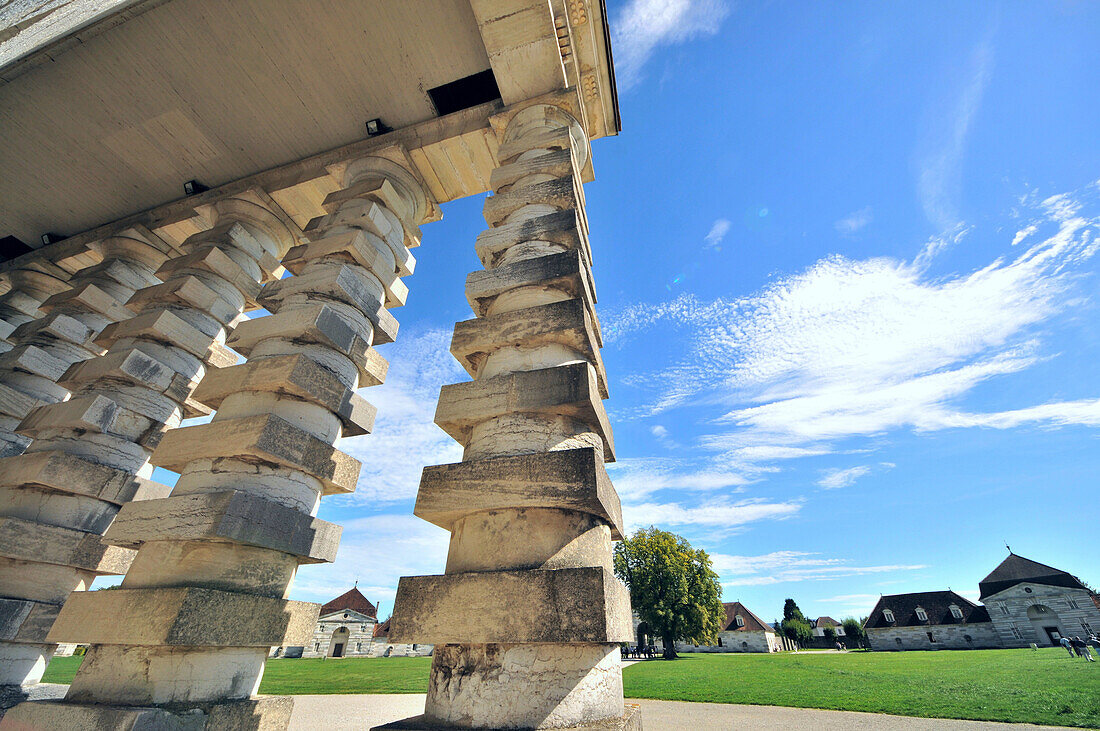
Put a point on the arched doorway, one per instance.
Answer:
(644, 635)
(1046, 623)
(338, 645)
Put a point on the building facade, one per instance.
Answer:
(1032, 603)
(742, 631)
(345, 628)
(821, 623)
(185, 163)
(929, 620)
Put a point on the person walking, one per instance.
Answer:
(1067, 644)
(1081, 648)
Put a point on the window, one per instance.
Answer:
(1027, 589)
(719, 641)
(740, 620)
(888, 616)
(968, 639)
(956, 612)
(1004, 609)
(358, 646)
(1072, 604)
(1016, 632)
(931, 637)
(414, 647)
(316, 646)
(362, 628)
(1086, 626)
(921, 614)
(897, 640)
(744, 645)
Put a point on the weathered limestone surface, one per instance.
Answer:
(205, 597)
(527, 619)
(162, 322)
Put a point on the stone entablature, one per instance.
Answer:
(1019, 620)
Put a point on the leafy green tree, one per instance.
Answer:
(791, 611)
(795, 626)
(853, 628)
(830, 634)
(673, 587)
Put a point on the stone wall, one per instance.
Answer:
(947, 637)
(1073, 611)
(739, 641)
(359, 639)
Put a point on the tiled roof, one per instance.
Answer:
(936, 604)
(826, 622)
(353, 600)
(382, 630)
(1017, 570)
(752, 622)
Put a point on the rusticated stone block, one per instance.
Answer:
(563, 193)
(183, 616)
(322, 325)
(55, 325)
(570, 479)
(68, 473)
(163, 326)
(566, 322)
(559, 605)
(550, 139)
(130, 366)
(214, 260)
(371, 219)
(99, 414)
(16, 404)
(566, 390)
(232, 516)
(91, 298)
(295, 375)
(355, 247)
(189, 291)
(565, 228)
(266, 438)
(345, 287)
(26, 540)
(35, 360)
(566, 271)
(267, 713)
(555, 163)
(26, 621)
(381, 190)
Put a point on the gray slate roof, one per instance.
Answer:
(1018, 570)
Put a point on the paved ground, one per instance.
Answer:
(360, 712)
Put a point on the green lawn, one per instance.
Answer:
(1045, 686)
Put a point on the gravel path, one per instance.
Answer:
(360, 712)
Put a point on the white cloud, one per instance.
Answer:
(721, 514)
(861, 347)
(717, 232)
(644, 25)
(836, 478)
(789, 566)
(405, 437)
(853, 222)
(636, 478)
(939, 179)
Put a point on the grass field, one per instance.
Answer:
(1046, 687)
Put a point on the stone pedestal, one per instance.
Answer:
(528, 617)
(90, 454)
(185, 638)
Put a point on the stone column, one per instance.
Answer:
(30, 285)
(89, 454)
(527, 619)
(69, 322)
(187, 634)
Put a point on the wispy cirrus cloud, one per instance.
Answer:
(717, 233)
(642, 26)
(790, 566)
(853, 348)
(833, 479)
(719, 515)
(854, 222)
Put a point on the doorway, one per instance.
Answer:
(338, 645)
(1054, 635)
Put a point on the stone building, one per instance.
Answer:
(929, 620)
(176, 160)
(1030, 602)
(382, 646)
(345, 628)
(821, 623)
(742, 631)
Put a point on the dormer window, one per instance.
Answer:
(921, 614)
(956, 612)
(887, 615)
(739, 620)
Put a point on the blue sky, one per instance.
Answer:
(846, 261)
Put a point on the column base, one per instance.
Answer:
(271, 713)
(631, 720)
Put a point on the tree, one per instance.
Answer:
(672, 587)
(830, 634)
(791, 611)
(795, 626)
(853, 628)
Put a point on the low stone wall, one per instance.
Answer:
(945, 637)
(736, 642)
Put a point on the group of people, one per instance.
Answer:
(640, 652)
(1080, 648)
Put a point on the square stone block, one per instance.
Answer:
(566, 228)
(321, 325)
(265, 437)
(568, 390)
(184, 616)
(34, 360)
(164, 326)
(551, 139)
(16, 404)
(55, 325)
(566, 322)
(378, 189)
(232, 516)
(91, 298)
(556, 163)
(25, 540)
(566, 271)
(295, 375)
(354, 246)
(189, 291)
(563, 193)
(371, 219)
(101, 415)
(68, 473)
(558, 605)
(570, 479)
(267, 713)
(345, 287)
(25, 621)
(215, 261)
